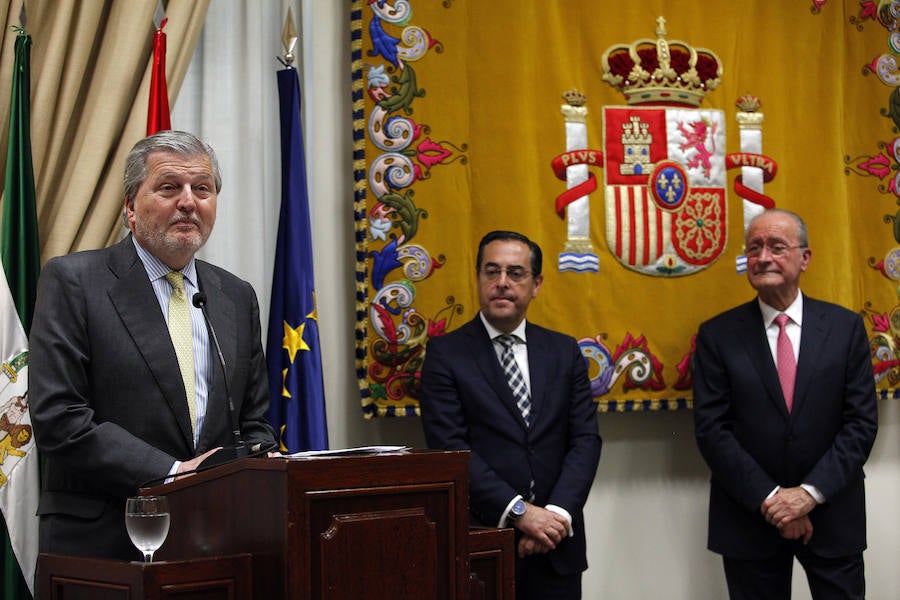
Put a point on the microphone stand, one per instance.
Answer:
(239, 450)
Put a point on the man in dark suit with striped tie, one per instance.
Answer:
(785, 416)
(518, 397)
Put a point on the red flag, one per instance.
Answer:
(158, 108)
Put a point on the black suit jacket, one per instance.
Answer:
(752, 443)
(106, 396)
(467, 405)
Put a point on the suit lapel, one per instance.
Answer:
(538, 358)
(812, 342)
(134, 300)
(485, 357)
(220, 309)
(751, 331)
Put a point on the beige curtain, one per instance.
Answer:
(90, 80)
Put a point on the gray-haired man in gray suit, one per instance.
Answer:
(108, 401)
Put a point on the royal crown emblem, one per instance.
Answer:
(661, 71)
(664, 162)
(665, 181)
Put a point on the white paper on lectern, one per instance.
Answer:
(350, 451)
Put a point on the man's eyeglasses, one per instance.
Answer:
(755, 250)
(515, 274)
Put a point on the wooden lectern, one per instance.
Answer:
(337, 528)
(492, 564)
(79, 578)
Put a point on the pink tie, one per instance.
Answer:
(786, 363)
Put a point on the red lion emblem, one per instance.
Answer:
(696, 140)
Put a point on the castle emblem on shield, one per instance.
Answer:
(664, 162)
(664, 188)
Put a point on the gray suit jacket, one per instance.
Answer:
(106, 397)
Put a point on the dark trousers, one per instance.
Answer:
(841, 578)
(536, 579)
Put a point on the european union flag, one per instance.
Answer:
(297, 409)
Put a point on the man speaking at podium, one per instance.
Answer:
(127, 381)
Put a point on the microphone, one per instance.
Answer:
(239, 450)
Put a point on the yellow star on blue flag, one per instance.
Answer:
(296, 391)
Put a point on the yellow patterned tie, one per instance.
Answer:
(180, 330)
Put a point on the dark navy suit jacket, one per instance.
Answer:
(753, 444)
(467, 405)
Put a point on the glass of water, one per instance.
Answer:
(147, 522)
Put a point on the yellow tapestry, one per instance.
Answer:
(633, 143)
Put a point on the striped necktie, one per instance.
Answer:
(180, 330)
(514, 375)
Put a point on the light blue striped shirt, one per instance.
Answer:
(157, 271)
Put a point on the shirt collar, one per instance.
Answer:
(493, 332)
(794, 311)
(157, 269)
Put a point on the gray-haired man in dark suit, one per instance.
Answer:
(108, 399)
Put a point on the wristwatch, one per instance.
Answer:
(517, 510)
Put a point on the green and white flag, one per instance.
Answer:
(20, 253)
(19, 486)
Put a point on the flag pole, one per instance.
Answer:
(297, 396)
(158, 117)
(20, 250)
